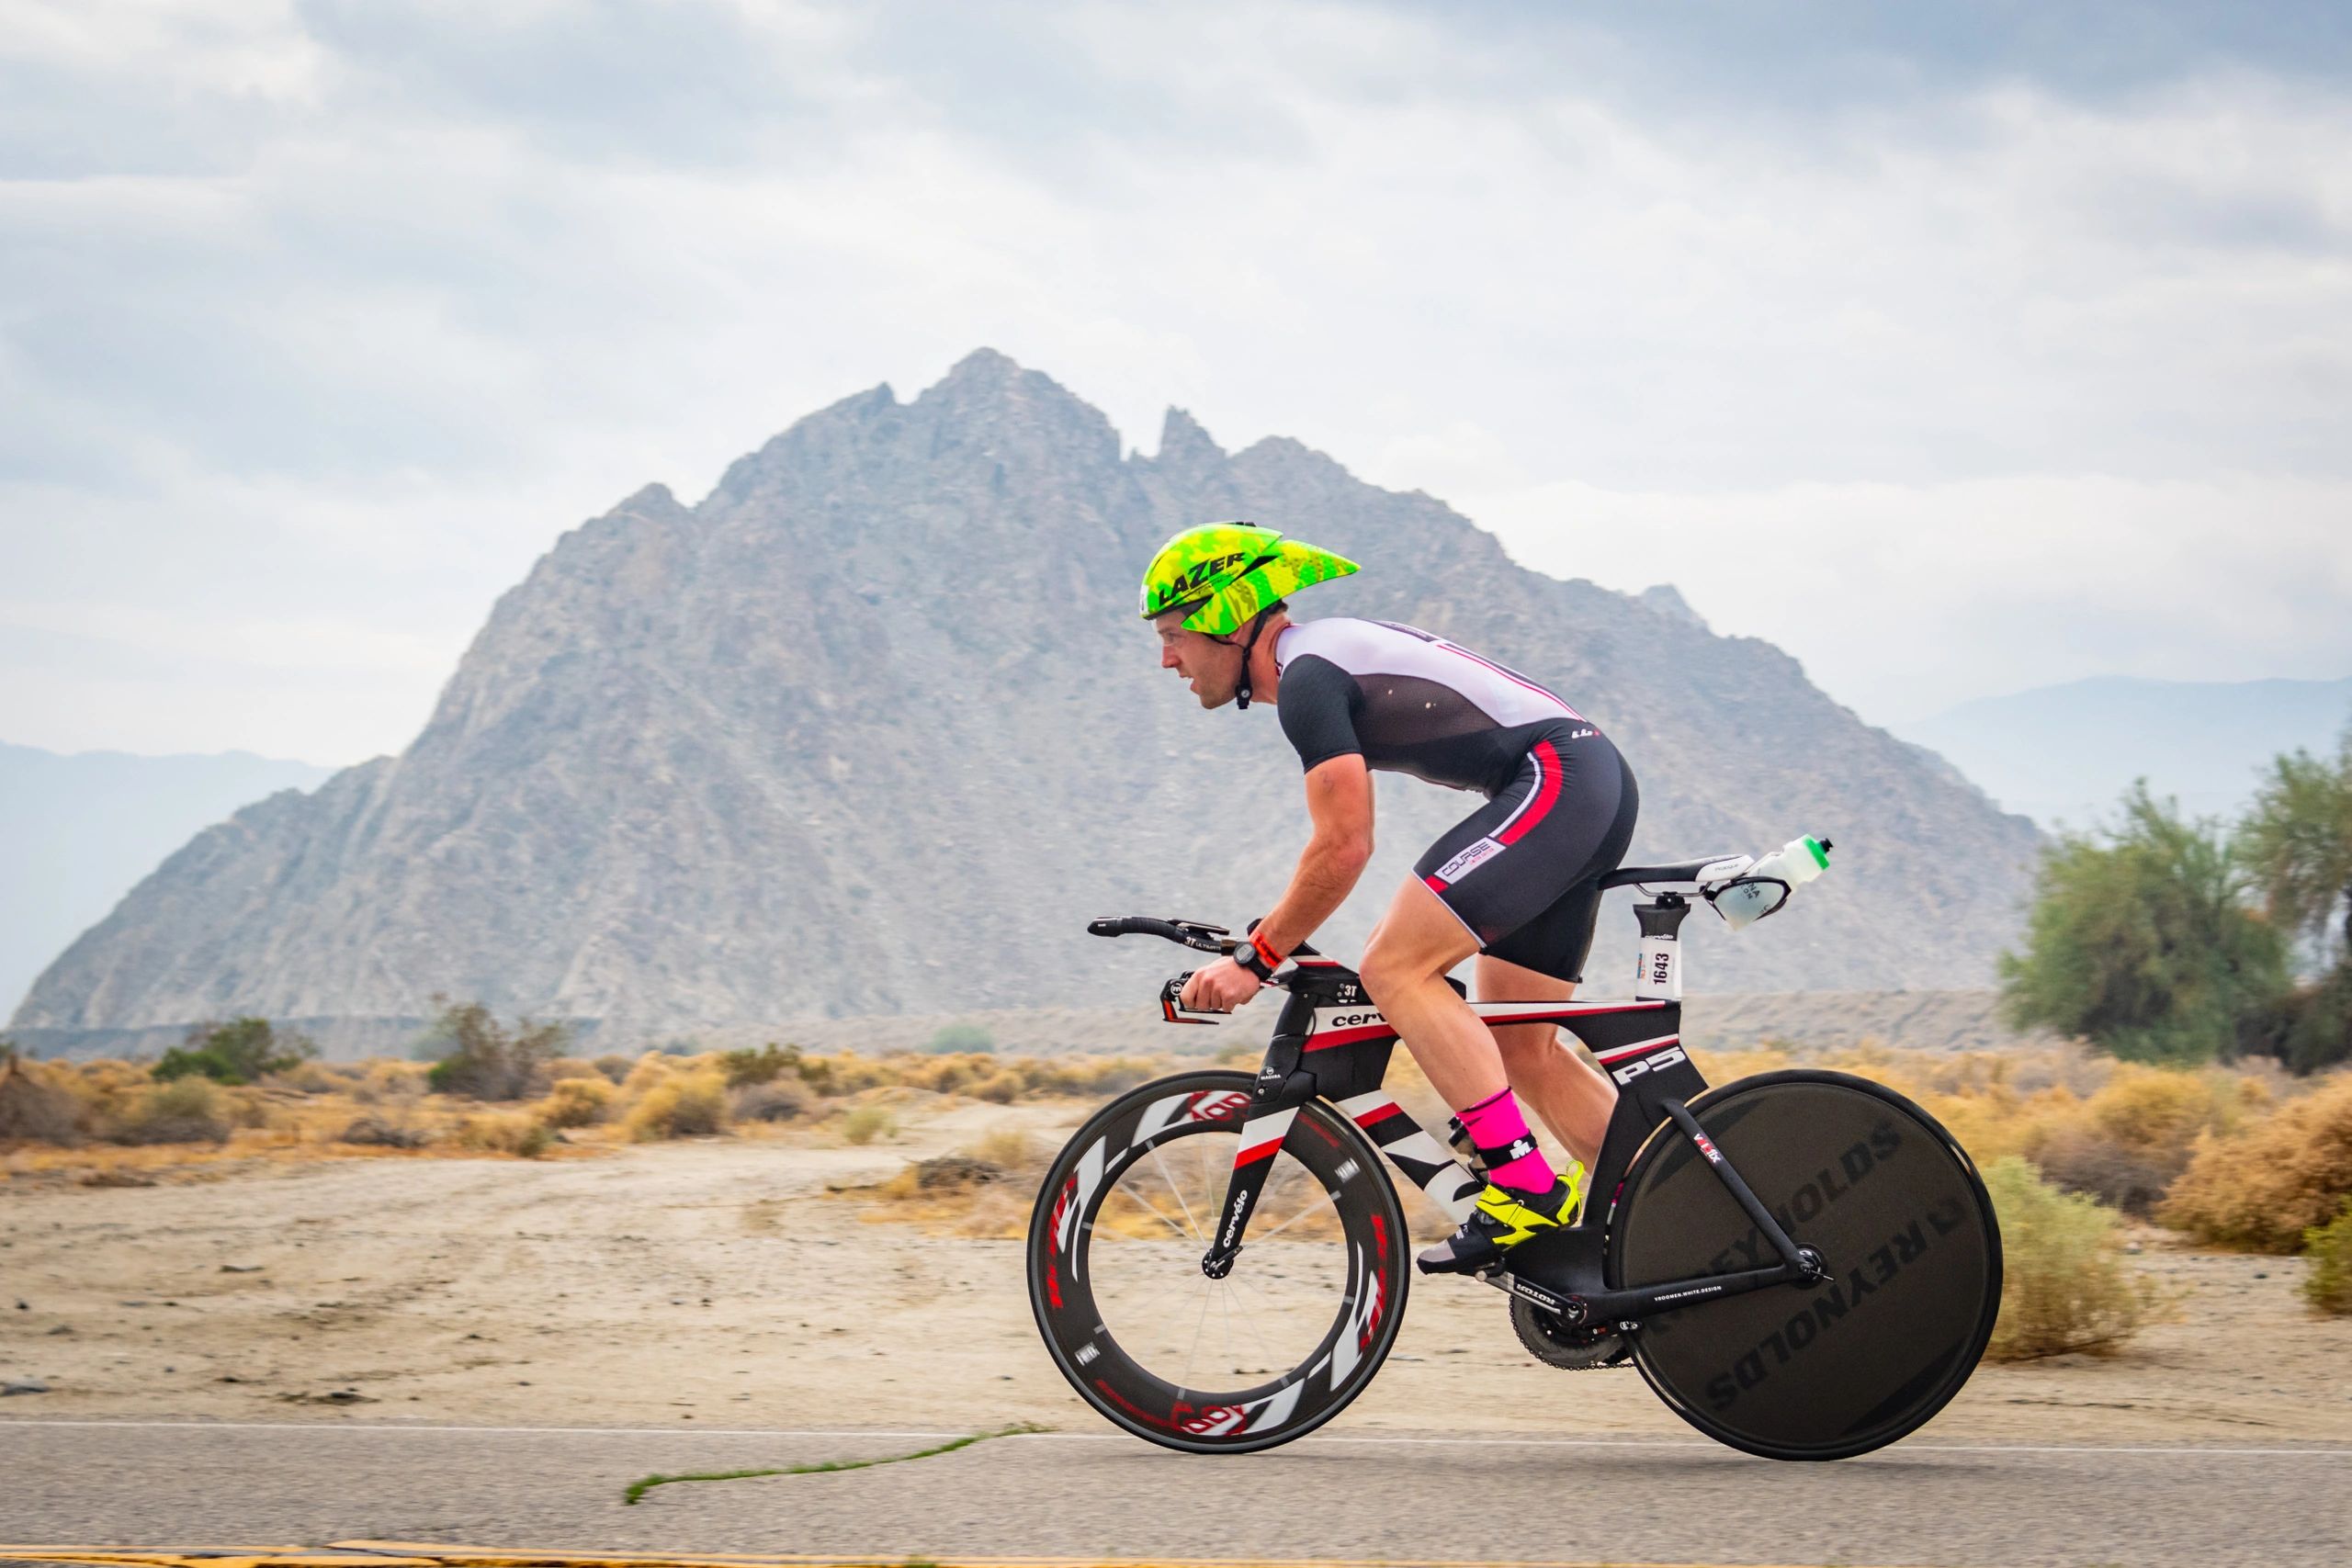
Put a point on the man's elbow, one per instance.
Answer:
(1349, 852)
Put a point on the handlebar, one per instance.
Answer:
(1189, 933)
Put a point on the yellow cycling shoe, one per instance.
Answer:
(1504, 1218)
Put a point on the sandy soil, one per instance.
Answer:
(721, 1282)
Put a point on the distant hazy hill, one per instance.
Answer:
(76, 833)
(2065, 752)
(874, 729)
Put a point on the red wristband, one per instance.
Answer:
(1273, 960)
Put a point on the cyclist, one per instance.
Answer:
(1515, 882)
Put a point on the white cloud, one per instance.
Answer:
(354, 310)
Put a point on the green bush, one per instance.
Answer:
(241, 1051)
(2328, 1286)
(2142, 938)
(954, 1038)
(479, 1058)
(2065, 1284)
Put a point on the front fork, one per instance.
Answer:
(1271, 1110)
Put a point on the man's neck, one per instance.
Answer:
(1265, 670)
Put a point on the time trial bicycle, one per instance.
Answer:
(1802, 1264)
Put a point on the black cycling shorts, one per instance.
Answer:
(1524, 871)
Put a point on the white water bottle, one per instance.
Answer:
(1795, 862)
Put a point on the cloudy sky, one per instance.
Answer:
(1957, 350)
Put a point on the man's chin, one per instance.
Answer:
(1214, 699)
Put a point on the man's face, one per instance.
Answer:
(1212, 669)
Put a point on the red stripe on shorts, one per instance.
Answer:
(1547, 791)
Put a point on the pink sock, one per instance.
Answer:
(1499, 1129)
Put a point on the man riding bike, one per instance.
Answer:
(1515, 882)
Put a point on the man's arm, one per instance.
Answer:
(1339, 798)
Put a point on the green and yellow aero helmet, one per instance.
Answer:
(1234, 569)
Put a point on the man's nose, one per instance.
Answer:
(1167, 657)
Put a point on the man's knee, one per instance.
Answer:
(1385, 972)
(1524, 1045)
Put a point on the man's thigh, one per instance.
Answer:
(1418, 935)
(1499, 980)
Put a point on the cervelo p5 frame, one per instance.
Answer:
(1802, 1264)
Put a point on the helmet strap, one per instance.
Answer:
(1241, 689)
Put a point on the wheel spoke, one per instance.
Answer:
(1197, 1234)
(1199, 1324)
(1311, 1209)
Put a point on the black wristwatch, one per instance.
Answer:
(1247, 955)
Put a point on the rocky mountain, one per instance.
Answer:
(77, 833)
(873, 729)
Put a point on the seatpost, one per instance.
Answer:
(1658, 975)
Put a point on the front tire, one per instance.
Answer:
(1268, 1353)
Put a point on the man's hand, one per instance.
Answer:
(1220, 987)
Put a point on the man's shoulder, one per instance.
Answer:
(1345, 640)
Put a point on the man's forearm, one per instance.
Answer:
(1326, 874)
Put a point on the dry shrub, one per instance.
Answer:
(2134, 1136)
(982, 1191)
(572, 1068)
(110, 1075)
(505, 1133)
(1013, 1151)
(1000, 1088)
(1091, 1076)
(866, 1123)
(190, 1110)
(34, 1107)
(945, 1073)
(391, 1082)
(315, 1078)
(376, 1132)
(784, 1100)
(2328, 1287)
(848, 1073)
(578, 1101)
(762, 1066)
(646, 1072)
(2065, 1284)
(2264, 1187)
(614, 1066)
(678, 1105)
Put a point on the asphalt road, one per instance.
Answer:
(1087, 1494)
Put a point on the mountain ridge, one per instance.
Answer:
(79, 830)
(872, 727)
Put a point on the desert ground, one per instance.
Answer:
(756, 1283)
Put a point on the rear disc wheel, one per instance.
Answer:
(1911, 1249)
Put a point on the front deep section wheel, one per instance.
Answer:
(1911, 1254)
(1267, 1352)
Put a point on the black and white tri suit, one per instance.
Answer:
(1522, 871)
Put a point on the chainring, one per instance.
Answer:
(1555, 1343)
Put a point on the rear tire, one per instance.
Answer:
(1122, 1212)
(1912, 1248)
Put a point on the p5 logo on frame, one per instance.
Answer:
(1634, 1069)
